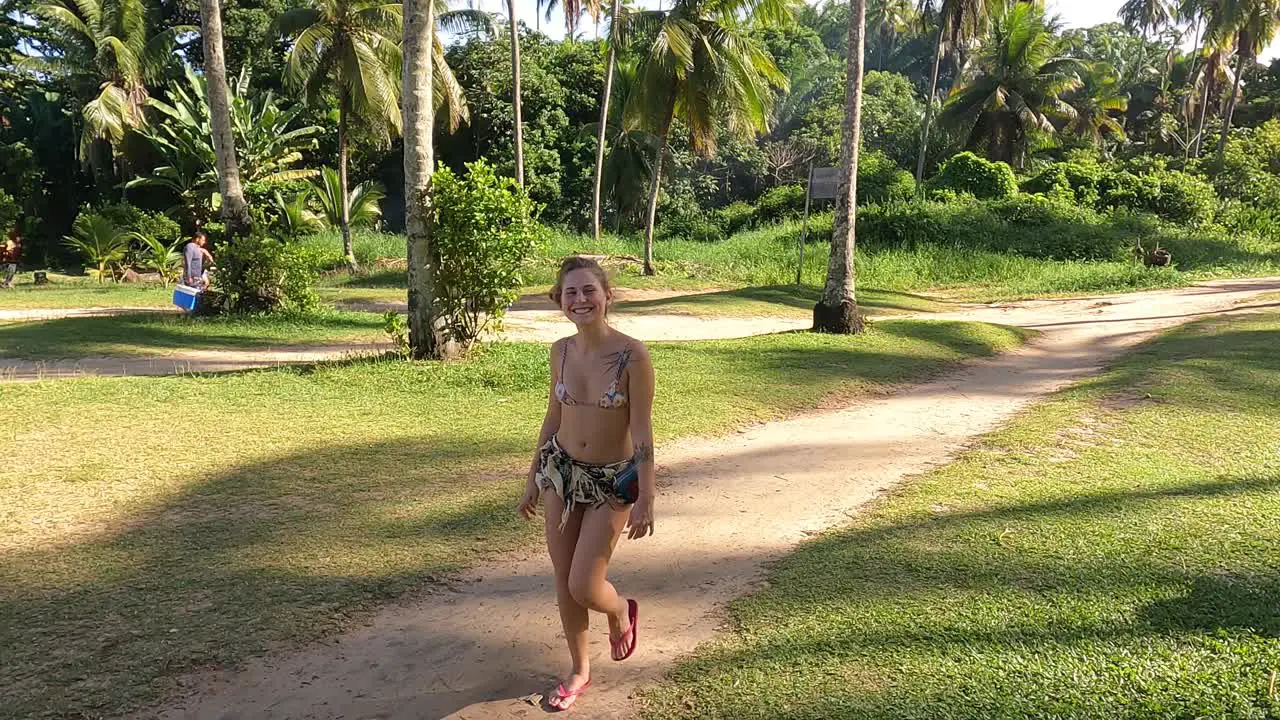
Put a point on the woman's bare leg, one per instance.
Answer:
(573, 616)
(588, 578)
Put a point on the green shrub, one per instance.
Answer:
(262, 274)
(735, 216)
(881, 180)
(101, 243)
(979, 177)
(1171, 194)
(484, 235)
(128, 218)
(1184, 198)
(1067, 181)
(8, 213)
(695, 227)
(780, 202)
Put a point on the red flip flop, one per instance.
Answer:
(621, 649)
(563, 699)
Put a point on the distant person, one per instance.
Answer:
(195, 271)
(10, 256)
(593, 466)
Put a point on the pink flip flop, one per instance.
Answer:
(563, 699)
(621, 649)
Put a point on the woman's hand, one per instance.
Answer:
(640, 523)
(528, 507)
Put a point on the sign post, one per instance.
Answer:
(822, 184)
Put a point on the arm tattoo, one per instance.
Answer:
(644, 454)
(618, 362)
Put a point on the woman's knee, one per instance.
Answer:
(582, 588)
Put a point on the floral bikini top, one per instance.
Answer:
(613, 398)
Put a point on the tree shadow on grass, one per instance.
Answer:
(279, 551)
(145, 332)
(797, 297)
(903, 616)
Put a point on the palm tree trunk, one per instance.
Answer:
(1209, 79)
(837, 310)
(344, 210)
(515, 91)
(1231, 107)
(655, 184)
(418, 120)
(928, 110)
(235, 211)
(604, 122)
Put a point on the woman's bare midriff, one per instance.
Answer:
(595, 435)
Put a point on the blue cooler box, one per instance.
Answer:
(185, 297)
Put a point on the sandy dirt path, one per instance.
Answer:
(728, 505)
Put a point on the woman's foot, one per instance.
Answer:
(567, 693)
(622, 642)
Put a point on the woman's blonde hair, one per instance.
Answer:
(577, 262)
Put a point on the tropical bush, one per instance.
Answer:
(967, 173)
(363, 203)
(262, 274)
(881, 180)
(1068, 181)
(484, 235)
(160, 258)
(8, 212)
(735, 216)
(780, 202)
(101, 243)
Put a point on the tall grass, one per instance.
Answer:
(981, 251)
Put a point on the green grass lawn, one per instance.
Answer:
(1113, 553)
(64, 291)
(148, 334)
(153, 526)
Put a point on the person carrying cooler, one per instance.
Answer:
(194, 256)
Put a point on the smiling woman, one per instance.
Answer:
(595, 457)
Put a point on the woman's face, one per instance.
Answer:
(582, 297)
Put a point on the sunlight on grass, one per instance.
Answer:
(251, 510)
(1110, 554)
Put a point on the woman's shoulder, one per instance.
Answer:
(633, 347)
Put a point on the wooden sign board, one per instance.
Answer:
(824, 183)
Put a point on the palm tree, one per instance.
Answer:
(1147, 16)
(615, 37)
(960, 22)
(418, 110)
(235, 211)
(705, 68)
(1255, 23)
(111, 48)
(1017, 87)
(890, 18)
(1100, 94)
(837, 309)
(352, 48)
(515, 90)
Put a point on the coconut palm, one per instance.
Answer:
(890, 18)
(1017, 86)
(837, 309)
(235, 210)
(350, 48)
(616, 23)
(1100, 94)
(110, 50)
(705, 68)
(1147, 16)
(420, 41)
(960, 22)
(518, 126)
(1254, 24)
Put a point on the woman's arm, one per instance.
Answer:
(550, 423)
(640, 390)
